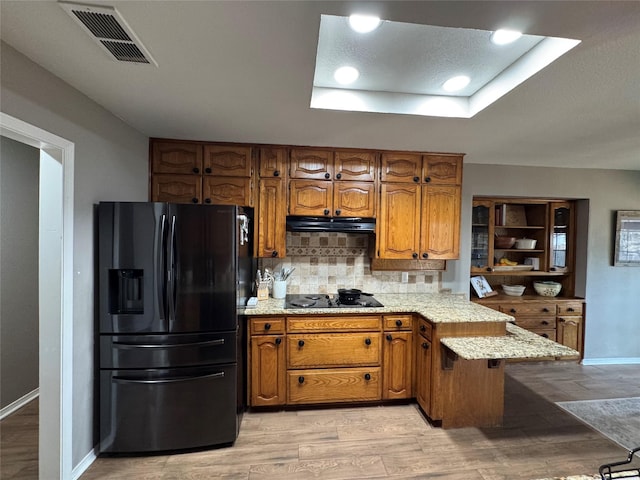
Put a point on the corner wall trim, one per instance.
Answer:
(612, 361)
(19, 403)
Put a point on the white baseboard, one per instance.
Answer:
(84, 464)
(19, 403)
(611, 361)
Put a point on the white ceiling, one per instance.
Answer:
(243, 71)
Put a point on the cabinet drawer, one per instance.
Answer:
(332, 324)
(262, 326)
(546, 333)
(425, 328)
(397, 322)
(570, 308)
(536, 322)
(334, 385)
(529, 309)
(333, 350)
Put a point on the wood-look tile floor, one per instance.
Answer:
(537, 439)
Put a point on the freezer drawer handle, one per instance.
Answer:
(219, 341)
(171, 380)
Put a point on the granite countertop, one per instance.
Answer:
(517, 343)
(437, 307)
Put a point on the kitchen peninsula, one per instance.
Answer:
(441, 349)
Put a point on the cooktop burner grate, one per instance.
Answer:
(327, 301)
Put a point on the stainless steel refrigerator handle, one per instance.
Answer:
(172, 271)
(218, 341)
(162, 287)
(172, 380)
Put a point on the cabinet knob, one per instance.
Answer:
(339, 176)
(207, 200)
(327, 211)
(425, 345)
(338, 212)
(207, 170)
(544, 322)
(389, 337)
(194, 200)
(570, 309)
(267, 326)
(552, 269)
(367, 376)
(545, 335)
(561, 320)
(278, 341)
(423, 328)
(427, 179)
(545, 309)
(274, 253)
(276, 173)
(300, 379)
(327, 176)
(425, 255)
(416, 179)
(301, 343)
(414, 255)
(489, 269)
(196, 170)
(398, 323)
(367, 341)
(513, 310)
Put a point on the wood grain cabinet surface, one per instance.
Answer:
(176, 157)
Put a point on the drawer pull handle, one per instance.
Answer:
(367, 376)
(570, 309)
(300, 379)
(561, 320)
(425, 345)
(513, 310)
(301, 343)
(278, 341)
(367, 341)
(423, 328)
(545, 335)
(545, 309)
(544, 322)
(398, 323)
(267, 326)
(389, 337)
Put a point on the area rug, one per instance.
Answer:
(615, 418)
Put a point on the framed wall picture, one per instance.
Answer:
(627, 245)
(482, 287)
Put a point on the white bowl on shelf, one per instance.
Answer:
(526, 243)
(547, 289)
(513, 290)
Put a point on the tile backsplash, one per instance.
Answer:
(325, 262)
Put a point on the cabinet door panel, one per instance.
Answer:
(309, 197)
(440, 223)
(311, 164)
(272, 218)
(354, 199)
(227, 161)
(176, 188)
(356, 166)
(569, 330)
(273, 162)
(176, 157)
(401, 167)
(268, 371)
(398, 226)
(397, 365)
(228, 191)
(442, 170)
(423, 374)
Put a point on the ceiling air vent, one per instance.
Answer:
(108, 29)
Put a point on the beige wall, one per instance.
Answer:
(19, 172)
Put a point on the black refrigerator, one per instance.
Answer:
(170, 348)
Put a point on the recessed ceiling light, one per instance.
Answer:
(346, 75)
(456, 83)
(502, 37)
(364, 23)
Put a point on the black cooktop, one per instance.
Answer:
(321, 300)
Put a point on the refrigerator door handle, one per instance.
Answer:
(169, 380)
(171, 272)
(218, 341)
(162, 285)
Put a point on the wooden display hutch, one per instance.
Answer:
(551, 223)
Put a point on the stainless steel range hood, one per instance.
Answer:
(327, 224)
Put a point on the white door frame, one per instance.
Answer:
(55, 304)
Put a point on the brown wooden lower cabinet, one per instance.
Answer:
(333, 385)
(423, 370)
(267, 371)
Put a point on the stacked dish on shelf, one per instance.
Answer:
(513, 290)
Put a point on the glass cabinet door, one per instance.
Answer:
(560, 253)
(481, 223)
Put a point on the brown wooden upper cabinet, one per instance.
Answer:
(227, 161)
(311, 164)
(416, 168)
(355, 166)
(176, 157)
(272, 162)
